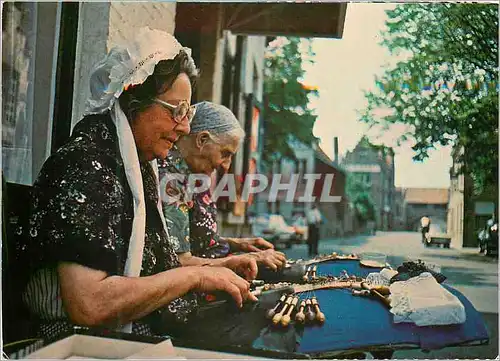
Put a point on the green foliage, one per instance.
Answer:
(359, 194)
(446, 89)
(286, 108)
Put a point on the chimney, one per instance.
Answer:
(335, 150)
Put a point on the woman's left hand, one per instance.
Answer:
(250, 244)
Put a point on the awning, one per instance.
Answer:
(269, 19)
(290, 19)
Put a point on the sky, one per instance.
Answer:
(345, 67)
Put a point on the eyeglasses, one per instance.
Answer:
(179, 111)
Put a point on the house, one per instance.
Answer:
(374, 164)
(327, 188)
(430, 202)
(337, 214)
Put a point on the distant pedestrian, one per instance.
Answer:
(313, 222)
(425, 223)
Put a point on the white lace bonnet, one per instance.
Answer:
(127, 65)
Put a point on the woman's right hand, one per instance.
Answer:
(223, 279)
(270, 258)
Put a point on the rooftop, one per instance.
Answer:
(322, 156)
(427, 195)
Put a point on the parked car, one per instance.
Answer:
(436, 235)
(492, 245)
(488, 238)
(273, 228)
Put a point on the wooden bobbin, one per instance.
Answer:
(270, 314)
(305, 278)
(313, 275)
(285, 320)
(310, 316)
(277, 317)
(361, 293)
(320, 316)
(300, 317)
(377, 294)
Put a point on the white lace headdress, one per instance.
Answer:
(127, 65)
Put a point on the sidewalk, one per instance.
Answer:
(472, 253)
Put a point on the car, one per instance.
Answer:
(492, 245)
(488, 239)
(436, 235)
(273, 228)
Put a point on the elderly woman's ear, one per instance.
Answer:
(202, 139)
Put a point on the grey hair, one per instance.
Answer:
(217, 120)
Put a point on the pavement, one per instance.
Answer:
(473, 274)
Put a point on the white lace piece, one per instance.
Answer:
(423, 301)
(129, 64)
(381, 278)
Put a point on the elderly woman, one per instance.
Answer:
(97, 243)
(215, 137)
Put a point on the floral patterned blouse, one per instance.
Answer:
(192, 223)
(82, 212)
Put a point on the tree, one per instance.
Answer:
(447, 88)
(359, 194)
(286, 107)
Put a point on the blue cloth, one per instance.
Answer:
(360, 322)
(474, 328)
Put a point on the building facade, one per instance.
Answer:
(400, 217)
(468, 212)
(375, 166)
(429, 202)
(336, 213)
(44, 88)
(330, 183)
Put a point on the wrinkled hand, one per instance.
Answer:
(270, 258)
(223, 279)
(254, 244)
(244, 265)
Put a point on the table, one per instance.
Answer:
(353, 325)
(358, 323)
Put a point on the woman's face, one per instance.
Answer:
(154, 128)
(211, 155)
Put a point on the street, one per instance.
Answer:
(466, 270)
